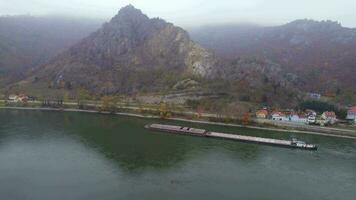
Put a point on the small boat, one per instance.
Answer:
(303, 145)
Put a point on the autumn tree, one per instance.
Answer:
(113, 104)
(66, 96)
(109, 104)
(82, 95)
(164, 111)
(246, 118)
(105, 103)
(200, 111)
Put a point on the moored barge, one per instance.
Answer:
(180, 130)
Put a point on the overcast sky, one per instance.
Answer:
(195, 12)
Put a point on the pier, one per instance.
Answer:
(242, 138)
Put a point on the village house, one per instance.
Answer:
(298, 118)
(311, 119)
(329, 117)
(310, 112)
(279, 116)
(262, 114)
(351, 114)
(315, 96)
(17, 98)
(290, 116)
(13, 98)
(23, 98)
(308, 117)
(311, 116)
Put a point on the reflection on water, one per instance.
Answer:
(49, 155)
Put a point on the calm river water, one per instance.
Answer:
(54, 155)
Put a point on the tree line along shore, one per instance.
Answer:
(174, 112)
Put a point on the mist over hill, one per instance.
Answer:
(27, 42)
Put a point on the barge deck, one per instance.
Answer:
(203, 133)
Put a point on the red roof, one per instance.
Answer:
(352, 109)
(302, 116)
(329, 114)
(265, 112)
(278, 113)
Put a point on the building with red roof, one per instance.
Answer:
(329, 117)
(262, 114)
(351, 113)
(279, 116)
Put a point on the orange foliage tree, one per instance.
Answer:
(246, 118)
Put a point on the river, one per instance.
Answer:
(60, 155)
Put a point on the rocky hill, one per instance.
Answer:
(322, 54)
(130, 53)
(27, 42)
(133, 53)
(256, 65)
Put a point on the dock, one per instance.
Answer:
(242, 138)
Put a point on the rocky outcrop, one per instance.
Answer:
(126, 54)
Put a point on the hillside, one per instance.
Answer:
(130, 53)
(322, 54)
(27, 42)
(134, 54)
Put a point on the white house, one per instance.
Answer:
(351, 114)
(17, 98)
(297, 118)
(311, 119)
(311, 116)
(310, 112)
(279, 116)
(13, 98)
(329, 117)
(316, 96)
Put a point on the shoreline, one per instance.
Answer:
(182, 120)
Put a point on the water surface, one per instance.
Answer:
(54, 155)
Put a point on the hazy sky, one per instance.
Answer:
(195, 12)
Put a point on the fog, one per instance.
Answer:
(195, 12)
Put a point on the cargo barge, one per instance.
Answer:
(180, 130)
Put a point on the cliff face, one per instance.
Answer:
(128, 53)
